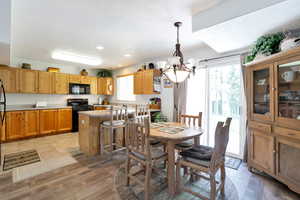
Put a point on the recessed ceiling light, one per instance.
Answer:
(127, 55)
(100, 47)
(71, 57)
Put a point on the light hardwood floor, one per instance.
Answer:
(90, 178)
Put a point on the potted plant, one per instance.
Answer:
(265, 45)
(104, 73)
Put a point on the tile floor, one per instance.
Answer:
(55, 151)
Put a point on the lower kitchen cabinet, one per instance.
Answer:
(32, 119)
(15, 125)
(64, 120)
(48, 121)
(262, 151)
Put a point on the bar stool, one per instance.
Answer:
(118, 120)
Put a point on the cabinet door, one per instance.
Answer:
(106, 86)
(85, 79)
(75, 78)
(94, 84)
(28, 81)
(262, 93)
(3, 131)
(288, 162)
(61, 83)
(15, 125)
(10, 77)
(32, 125)
(287, 93)
(138, 83)
(148, 82)
(48, 121)
(64, 120)
(262, 150)
(45, 82)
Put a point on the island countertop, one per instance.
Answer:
(89, 130)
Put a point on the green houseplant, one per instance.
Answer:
(104, 73)
(266, 45)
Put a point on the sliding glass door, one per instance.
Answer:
(219, 93)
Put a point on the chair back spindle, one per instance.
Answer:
(190, 120)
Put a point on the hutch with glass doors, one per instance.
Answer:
(273, 98)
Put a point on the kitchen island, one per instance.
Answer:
(89, 130)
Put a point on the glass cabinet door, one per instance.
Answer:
(262, 101)
(288, 92)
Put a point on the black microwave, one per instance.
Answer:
(76, 88)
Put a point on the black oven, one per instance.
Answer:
(76, 88)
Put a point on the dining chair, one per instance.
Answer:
(118, 118)
(191, 121)
(208, 163)
(142, 110)
(139, 149)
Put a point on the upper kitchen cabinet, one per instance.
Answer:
(10, 78)
(147, 82)
(106, 86)
(45, 82)
(261, 93)
(28, 81)
(61, 83)
(138, 82)
(85, 80)
(75, 78)
(94, 83)
(287, 93)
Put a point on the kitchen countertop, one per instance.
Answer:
(100, 113)
(32, 107)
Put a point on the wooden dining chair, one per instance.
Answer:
(142, 110)
(145, 157)
(118, 120)
(202, 161)
(191, 121)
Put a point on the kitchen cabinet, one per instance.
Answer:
(15, 125)
(28, 81)
(64, 120)
(61, 83)
(48, 121)
(106, 86)
(32, 127)
(138, 83)
(94, 83)
(262, 151)
(85, 80)
(3, 131)
(147, 82)
(75, 78)
(10, 78)
(45, 82)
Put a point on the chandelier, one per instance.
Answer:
(175, 69)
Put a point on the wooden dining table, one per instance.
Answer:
(171, 139)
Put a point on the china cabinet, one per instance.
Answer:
(273, 99)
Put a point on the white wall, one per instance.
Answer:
(22, 99)
(5, 26)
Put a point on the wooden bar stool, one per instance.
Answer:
(118, 120)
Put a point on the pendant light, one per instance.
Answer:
(175, 69)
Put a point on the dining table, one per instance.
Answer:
(170, 138)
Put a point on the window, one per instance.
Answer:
(125, 88)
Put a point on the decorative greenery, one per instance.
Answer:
(158, 117)
(266, 45)
(104, 73)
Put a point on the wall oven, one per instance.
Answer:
(76, 88)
